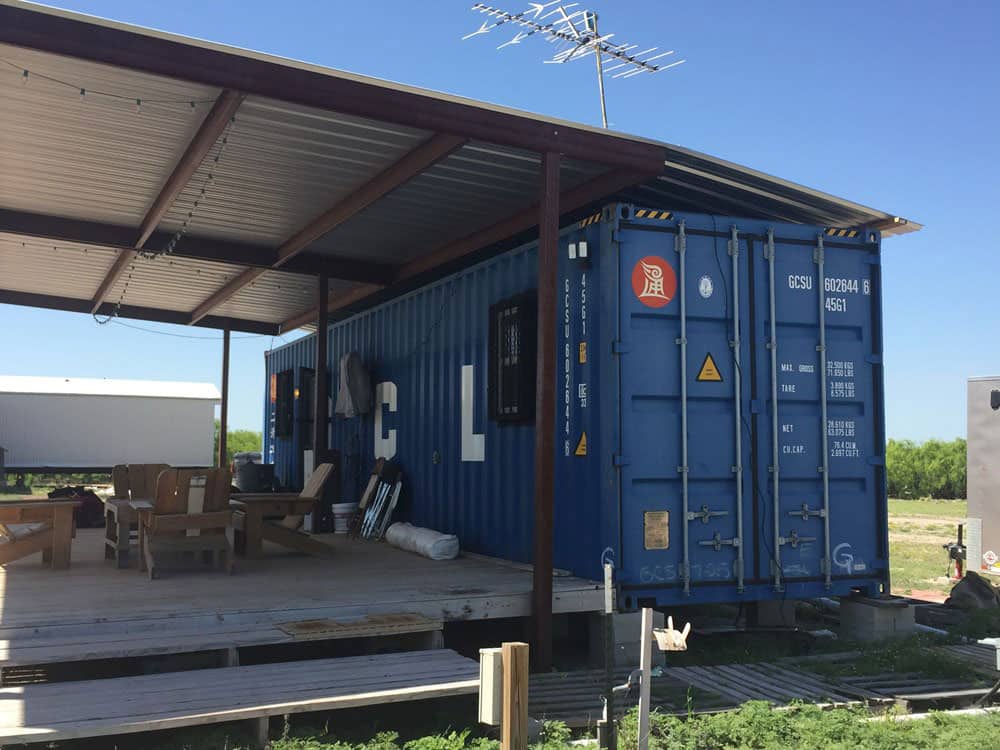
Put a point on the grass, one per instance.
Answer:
(754, 726)
(918, 529)
(911, 655)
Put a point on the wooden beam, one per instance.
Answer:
(224, 408)
(603, 186)
(545, 409)
(211, 128)
(514, 708)
(63, 229)
(401, 172)
(321, 409)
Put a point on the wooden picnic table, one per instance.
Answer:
(53, 538)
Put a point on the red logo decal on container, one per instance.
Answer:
(654, 281)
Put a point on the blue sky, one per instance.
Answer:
(892, 104)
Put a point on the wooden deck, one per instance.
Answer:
(96, 708)
(95, 611)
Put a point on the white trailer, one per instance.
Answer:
(983, 523)
(82, 424)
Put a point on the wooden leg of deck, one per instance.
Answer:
(62, 537)
(122, 533)
(231, 657)
(514, 720)
(110, 531)
(259, 728)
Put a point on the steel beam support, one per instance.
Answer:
(156, 315)
(402, 171)
(545, 409)
(224, 407)
(321, 407)
(211, 128)
(596, 189)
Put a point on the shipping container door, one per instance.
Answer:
(684, 496)
(822, 512)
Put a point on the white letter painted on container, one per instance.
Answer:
(473, 445)
(385, 445)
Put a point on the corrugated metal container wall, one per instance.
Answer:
(720, 434)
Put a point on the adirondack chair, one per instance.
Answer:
(132, 482)
(187, 518)
(256, 514)
(31, 526)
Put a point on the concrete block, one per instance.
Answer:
(628, 626)
(875, 619)
(774, 614)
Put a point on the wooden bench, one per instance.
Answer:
(124, 705)
(41, 525)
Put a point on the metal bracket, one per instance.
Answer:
(705, 515)
(873, 359)
(793, 540)
(805, 513)
(680, 341)
(618, 459)
(620, 347)
(717, 542)
(818, 254)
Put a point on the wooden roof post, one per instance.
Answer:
(224, 408)
(545, 408)
(321, 414)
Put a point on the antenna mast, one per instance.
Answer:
(574, 32)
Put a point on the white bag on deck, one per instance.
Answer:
(426, 542)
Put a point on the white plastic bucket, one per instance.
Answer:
(342, 515)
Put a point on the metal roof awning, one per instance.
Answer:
(154, 176)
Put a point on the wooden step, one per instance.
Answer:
(124, 705)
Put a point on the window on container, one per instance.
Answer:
(284, 406)
(307, 395)
(512, 358)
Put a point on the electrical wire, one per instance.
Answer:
(118, 321)
(27, 73)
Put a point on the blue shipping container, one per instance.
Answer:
(720, 433)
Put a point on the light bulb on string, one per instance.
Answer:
(24, 77)
(138, 106)
(83, 93)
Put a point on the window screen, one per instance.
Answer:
(284, 404)
(512, 358)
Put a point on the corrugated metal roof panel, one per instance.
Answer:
(105, 387)
(92, 157)
(62, 269)
(281, 166)
(168, 282)
(273, 297)
(476, 186)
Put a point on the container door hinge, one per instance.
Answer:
(619, 460)
(873, 359)
(755, 406)
(872, 260)
(876, 461)
(616, 234)
(620, 347)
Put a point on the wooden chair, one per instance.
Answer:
(31, 526)
(132, 482)
(187, 517)
(253, 521)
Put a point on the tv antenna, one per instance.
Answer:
(574, 33)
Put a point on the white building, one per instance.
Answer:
(84, 423)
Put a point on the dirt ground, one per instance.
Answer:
(918, 531)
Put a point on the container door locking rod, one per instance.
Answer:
(680, 245)
(775, 448)
(824, 469)
(734, 251)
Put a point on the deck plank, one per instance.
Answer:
(122, 705)
(95, 611)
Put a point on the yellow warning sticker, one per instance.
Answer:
(583, 352)
(581, 446)
(709, 373)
